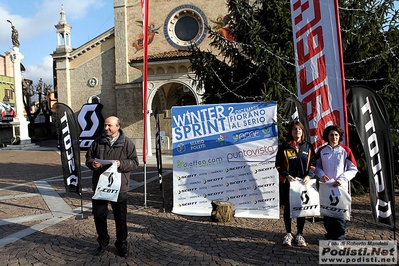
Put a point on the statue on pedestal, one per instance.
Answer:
(14, 35)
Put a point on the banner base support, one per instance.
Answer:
(81, 216)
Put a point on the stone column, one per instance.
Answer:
(20, 124)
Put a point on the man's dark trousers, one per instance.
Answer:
(119, 209)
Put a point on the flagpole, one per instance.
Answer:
(341, 64)
(144, 13)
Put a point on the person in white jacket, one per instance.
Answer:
(335, 161)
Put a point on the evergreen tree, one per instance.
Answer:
(370, 34)
(259, 63)
(261, 57)
(260, 60)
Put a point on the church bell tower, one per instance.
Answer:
(63, 34)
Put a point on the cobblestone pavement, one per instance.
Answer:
(41, 224)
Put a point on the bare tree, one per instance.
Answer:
(36, 101)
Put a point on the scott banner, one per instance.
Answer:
(372, 124)
(91, 121)
(319, 64)
(69, 132)
(225, 152)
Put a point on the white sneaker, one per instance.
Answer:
(287, 239)
(300, 241)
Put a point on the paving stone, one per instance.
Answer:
(156, 237)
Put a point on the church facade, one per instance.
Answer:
(109, 68)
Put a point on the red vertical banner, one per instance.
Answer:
(319, 65)
(144, 13)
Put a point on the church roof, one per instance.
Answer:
(92, 43)
(178, 54)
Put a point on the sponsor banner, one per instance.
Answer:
(213, 126)
(372, 124)
(318, 57)
(359, 252)
(69, 148)
(91, 121)
(239, 170)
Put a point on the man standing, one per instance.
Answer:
(112, 145)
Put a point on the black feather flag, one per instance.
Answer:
(294, 110)
(372, 124)
(158, 147)
(69, 147)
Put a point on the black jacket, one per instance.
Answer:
(123, 150)
(299, 163)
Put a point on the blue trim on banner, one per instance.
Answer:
(206, 127)
(225, 140)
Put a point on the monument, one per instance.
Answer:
(20, 123)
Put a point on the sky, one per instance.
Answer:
(35, 20)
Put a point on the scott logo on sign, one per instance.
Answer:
(91, 122)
